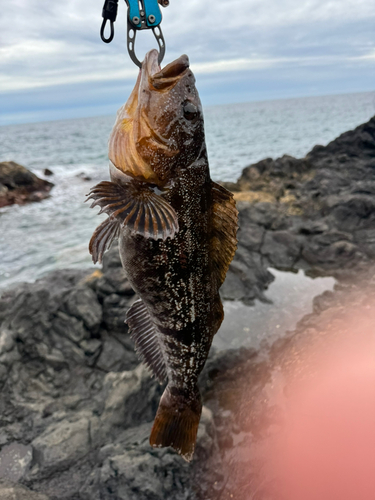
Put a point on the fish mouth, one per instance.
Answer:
(170, 74)
(153, 78)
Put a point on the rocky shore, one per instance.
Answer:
(316, 214)
(19, 185)
(77, 408)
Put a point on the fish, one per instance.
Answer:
(177, 233)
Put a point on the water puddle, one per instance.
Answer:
(256, 326)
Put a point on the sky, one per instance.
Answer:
(53, 64)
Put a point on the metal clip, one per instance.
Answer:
(145, 14)
(142, 15)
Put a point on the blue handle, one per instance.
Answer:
(152, 8)
(134, 12)
(149, 16)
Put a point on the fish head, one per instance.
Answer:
(161, 126)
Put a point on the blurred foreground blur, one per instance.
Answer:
(307, 410)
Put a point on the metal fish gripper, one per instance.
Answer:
(142, 15)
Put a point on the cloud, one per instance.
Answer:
(366, 57)
(46, 44)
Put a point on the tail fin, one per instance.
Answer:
(176, 422)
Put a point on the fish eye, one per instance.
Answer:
(190, 110)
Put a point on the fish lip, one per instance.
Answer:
(151, 63)
(173, 70)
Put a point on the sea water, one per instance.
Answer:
(39, 237)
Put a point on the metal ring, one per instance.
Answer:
(131, 44)
(161, 42)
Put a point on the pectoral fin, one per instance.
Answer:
(224, 234)
(102, 239)
(136, 206)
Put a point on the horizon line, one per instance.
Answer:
(311, 96)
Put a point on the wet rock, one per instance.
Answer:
(281, 248)
(334, 254)
(65, 325)
(19, 185)
(234, 288)
(82, 303)
(83, 176)
(251, 236)
(115, 308)
(247, 277)
(62, 444)
(366, 237)
(111, 260)
(114, 355)
(7, 340)
(140, 473)
(132, 470)
(9, 491)
(323, 215)
(15, 460)
(54, 354)
(353, 212)
(310, 227)
(129, 397)
(91, 347)
(356, 146)
(114, 281)
(47, 172)
(265, 215)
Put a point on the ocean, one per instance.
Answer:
(39, 237)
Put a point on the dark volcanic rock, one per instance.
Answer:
(322, 218)
(76, 406)
(84, 176)
(19, 185)
(12, 491)
(69, 429)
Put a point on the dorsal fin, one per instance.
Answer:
(224, 234)
(137, 207)
(144, 334)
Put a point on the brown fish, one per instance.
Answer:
(177, 236)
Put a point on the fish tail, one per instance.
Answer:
(176, 422)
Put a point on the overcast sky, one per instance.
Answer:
(53, 64)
